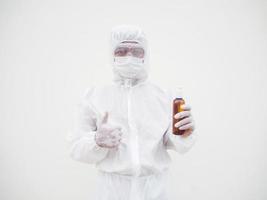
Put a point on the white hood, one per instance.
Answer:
(129, 75)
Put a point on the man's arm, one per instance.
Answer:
(82, 142)
(178, 143)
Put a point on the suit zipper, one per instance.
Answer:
(133, 137)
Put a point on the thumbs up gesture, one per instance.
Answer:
(108, 135)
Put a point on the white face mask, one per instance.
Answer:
(129, 66)
(128, 60)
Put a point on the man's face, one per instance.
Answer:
(129, 59)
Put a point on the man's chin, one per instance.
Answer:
(129, 75)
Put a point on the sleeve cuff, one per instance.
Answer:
(182, 144)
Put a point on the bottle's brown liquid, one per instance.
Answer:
(177, 102)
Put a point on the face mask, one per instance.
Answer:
(128, 66)
(128, 60)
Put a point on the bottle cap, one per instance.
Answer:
(179, 92)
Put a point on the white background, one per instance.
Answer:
(51, 51)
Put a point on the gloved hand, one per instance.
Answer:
(187, 122)
(107, 135)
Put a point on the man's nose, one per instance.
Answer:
(129, 53)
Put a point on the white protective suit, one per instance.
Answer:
(137, 169)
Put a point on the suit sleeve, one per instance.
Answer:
(178, 143)
(82, 145)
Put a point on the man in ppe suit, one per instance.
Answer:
(125, 128)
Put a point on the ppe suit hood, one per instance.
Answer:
(129, 75)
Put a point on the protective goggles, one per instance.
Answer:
(127, 49)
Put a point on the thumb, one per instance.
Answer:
(105, 118)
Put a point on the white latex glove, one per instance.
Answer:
(187, 122)
(107, 135)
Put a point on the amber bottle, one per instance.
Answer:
(177, 102)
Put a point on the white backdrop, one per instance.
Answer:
(51, 51)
